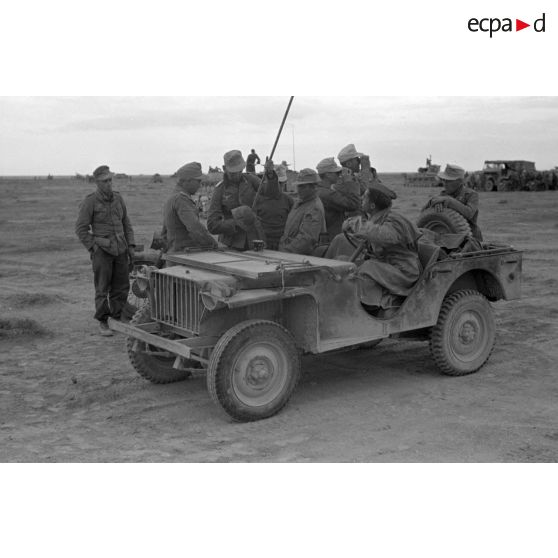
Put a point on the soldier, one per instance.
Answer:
(358, 167)
(181, 222)
(251, 161)
(393, 266)
(337, 195)
(306, 220)
(458, 197)
(104, 229)
(272, 206)
(234, 190)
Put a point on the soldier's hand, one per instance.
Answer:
(439, 207)
(131, 252)
(364, 162)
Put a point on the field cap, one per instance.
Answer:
(452, 172)
(307, 176)
(281, 173)
(189, 171)
(328, 165)
(102, 173)
(244, 216)
(379, 187)
(348, 152)
(234, 161)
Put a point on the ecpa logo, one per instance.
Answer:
(494, 24)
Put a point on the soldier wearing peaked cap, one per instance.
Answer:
(105, 230)
(357, 167)
(236, 189)
(392, 266)
(181, 223)
(338, 197)
(306, 220)
(458, 197)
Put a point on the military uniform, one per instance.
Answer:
(466, 202)
(105, 230)
(272, 209)
(181, 224)
(305, 223)
(226, 197)
(338, 201)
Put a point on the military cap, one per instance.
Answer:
(234, 162)
(307, 176)
(328, 165)
(102, 173)
(348, 152)
(379, 187)
(189, 171)
(452, 172)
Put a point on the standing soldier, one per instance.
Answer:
(234, 190)
(104, 229)
(181, 222)
(357, 167)
(272, 206)
(306, 221)
(251, 161)
(338, 196)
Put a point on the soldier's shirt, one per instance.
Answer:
(305, 223)
(103, 221)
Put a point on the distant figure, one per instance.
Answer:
(251, 161)
(105, 230)
(181, 223)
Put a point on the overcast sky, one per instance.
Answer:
(65, 135)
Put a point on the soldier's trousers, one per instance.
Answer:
(110, 275)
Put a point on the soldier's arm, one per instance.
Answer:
(386, 234)
(128, 230)
(83, 223)
(189, 218)
(469, 209)
(216, 222)
(342, 198)
(308, 234)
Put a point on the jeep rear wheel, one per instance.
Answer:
(253, 370)
(153, 363)
(463, 338)
(444, 222)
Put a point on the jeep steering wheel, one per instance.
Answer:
(360, 246)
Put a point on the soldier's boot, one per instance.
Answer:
(104, 329)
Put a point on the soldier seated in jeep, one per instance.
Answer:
(391, 266)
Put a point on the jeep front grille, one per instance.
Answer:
(176, 301)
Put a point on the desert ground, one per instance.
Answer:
(69, 395)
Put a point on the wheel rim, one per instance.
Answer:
(438, 226)
(260, 373)
(469, 336)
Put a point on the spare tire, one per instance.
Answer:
(447, 221)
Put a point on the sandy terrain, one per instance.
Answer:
(70, 395)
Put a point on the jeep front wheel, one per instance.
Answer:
(463, 338)
(150, 362)
(253, 370)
